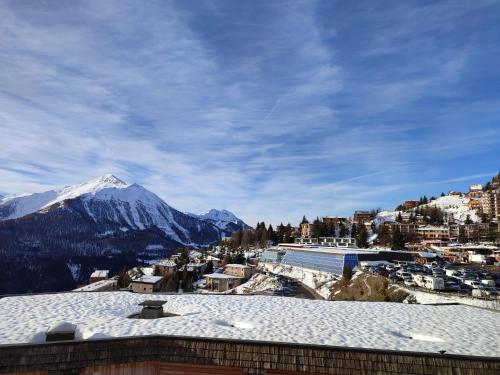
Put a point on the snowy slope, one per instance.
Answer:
(456, 206)
(452, 205)
(18, 206)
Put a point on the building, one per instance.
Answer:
(215, 261)
(432, 232)
(99, 286)
(238, 270)
(166, 267)
(475, 204)
(334, 220)
(475, 191)
(306, 241)
(325, 259)
(99, 275)
(146, 284)
(491, 205)
(337, 241)
(408, 205)
(362, 217)
(307, 229)
(220, 282)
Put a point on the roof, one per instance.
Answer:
(95, 286)
(100, 273)
(221, 276)
(369, 325)
(423, 254)
(237, 265)
(166, 263)
(153, 303)
(148, 279)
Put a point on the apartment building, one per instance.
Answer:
(308, 230)
(362, 216)
(491, 205)
(432, 232)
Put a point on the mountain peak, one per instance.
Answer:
(107, 179)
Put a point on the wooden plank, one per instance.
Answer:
(142, 368)
(167, 368)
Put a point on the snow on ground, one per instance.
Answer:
(321, 282)
(455, 205)
(385, 217)
(264, 318)
(440, 298)
(258, 283)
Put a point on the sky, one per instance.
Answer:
(270, 109)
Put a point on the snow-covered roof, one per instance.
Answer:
(148, 279)
(237, 265)
(166, 263)
(100, 273)
(278, 319)
(210, 257)
(95, 286)
(221, 276)
(424, 254)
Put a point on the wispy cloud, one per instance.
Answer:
(269, 109)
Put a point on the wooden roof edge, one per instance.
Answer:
(96, 342)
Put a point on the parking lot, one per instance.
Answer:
(474, 280)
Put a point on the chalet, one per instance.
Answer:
(146, 284)
(238, 270)
(215, 261)
(166, 267)
(220, 282)
(408, 205)
(99, 275)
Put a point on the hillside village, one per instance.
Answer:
(431, 250)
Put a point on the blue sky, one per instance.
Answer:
(271, 109)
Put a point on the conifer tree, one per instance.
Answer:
(362, 236)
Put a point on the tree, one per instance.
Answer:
(462, 238)
(124, 279)
(346, 274)
(362, 238)
(156, 271)
(354, 231)
(342, 230)
(271, 234)
(210, 267)
(384, 234)
(468, 220)
(397, 242)
(239, 258)
(399, 218)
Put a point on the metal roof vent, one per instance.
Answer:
(61, 332)
(152, 309)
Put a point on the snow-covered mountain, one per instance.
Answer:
(107, 198)
(53, 240)
(223, 219)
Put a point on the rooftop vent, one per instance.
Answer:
(152, 310)
(61, 332)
